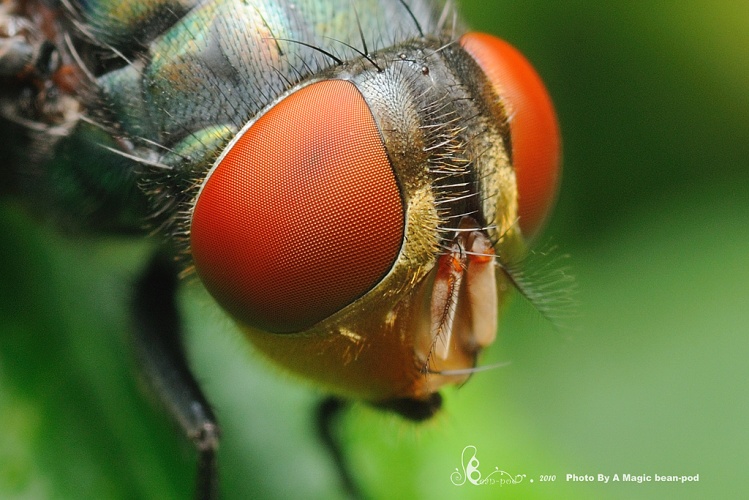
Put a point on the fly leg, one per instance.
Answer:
(159, 346)
(329, 413)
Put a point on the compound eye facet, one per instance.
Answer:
(302, 214)
(534, 131)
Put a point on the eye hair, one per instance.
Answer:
(337, 60)
(456, 230)
(460, 216)
(413, 18)
(267, 26)
(77, 57)
(137, 159)
(446, 9)
(76, 17)
(363, 53)
(163, 147)
(469, 371)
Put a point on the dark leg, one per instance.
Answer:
(328, 414)
(159, 347)
(416, 410)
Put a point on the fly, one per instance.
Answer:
(354, 182)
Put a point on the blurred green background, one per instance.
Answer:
(653, 99)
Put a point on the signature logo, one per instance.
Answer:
(472, 474)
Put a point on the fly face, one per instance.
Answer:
(348, 180)
(351, 181)
(395, 201)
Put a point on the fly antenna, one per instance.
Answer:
(543, 279)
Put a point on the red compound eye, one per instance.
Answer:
(536, 143)
(302, 215)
